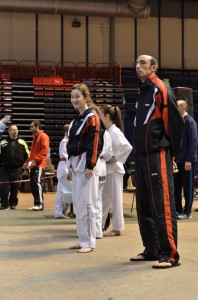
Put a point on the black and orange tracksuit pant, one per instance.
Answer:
(156, 204)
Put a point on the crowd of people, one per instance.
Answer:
(90, 172)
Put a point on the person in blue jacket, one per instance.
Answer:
(185, 161)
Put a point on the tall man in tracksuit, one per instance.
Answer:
(158, 128)
(37, 162)
(13, 154)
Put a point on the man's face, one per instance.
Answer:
(181, 108)
(13, 132)
(144, 68)
(33, 128)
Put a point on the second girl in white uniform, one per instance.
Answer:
(113, 188)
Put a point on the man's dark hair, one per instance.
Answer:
(37, 123)
(10, 125)
(153, 61)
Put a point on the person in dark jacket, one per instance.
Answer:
(13, 154)
(185, 161)
(158, 128)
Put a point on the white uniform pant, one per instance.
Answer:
(113, 192)
(62, 200)
(85, 193)
(99, 212)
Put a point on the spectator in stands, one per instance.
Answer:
(113, 188)
(64, 188)
(185, 161)
(13, 154)
(3, 122)
(158, 128)
(84, 147)
(37, 163)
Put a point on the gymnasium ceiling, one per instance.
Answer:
(110, 8)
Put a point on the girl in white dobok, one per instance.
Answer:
(113, 188)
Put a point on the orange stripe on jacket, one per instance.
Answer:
(95, 122)
(164, 99)
(167, 211)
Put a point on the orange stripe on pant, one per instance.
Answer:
(167, 211)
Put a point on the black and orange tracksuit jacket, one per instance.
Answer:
(85, 136)
(158, 123)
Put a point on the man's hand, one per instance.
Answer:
(6, 119)
(25, 166)
(187, 166)
(69, 175)
(112, 160)
(88, 173)
(174, 167)
(32, 164)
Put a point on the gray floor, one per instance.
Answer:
(36, 264)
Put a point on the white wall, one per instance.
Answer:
(191, 44)
(99, 37)
(17, 36)
(74, 40)
(171, 47)
(49, 37)
(124, 41)
(18, 32)
(147, 37)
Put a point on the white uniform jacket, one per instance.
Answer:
(121, 150)
(62, 168)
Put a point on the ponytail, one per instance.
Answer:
(114, 113)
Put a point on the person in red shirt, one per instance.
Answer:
(37, 162)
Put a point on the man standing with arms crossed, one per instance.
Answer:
(13, 154)
(157, 138)
(37, 163)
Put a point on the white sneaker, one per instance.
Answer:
(36, 207)
(184, 216)
(62, 217)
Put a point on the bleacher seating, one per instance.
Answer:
(42, 91)
(27, 69)
(48, 100)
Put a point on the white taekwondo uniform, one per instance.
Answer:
(113, 187)
(64, 188)
(105, 155)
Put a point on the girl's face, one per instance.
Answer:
(78, 100)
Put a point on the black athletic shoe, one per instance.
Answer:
(3, 208)
(107, 223)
